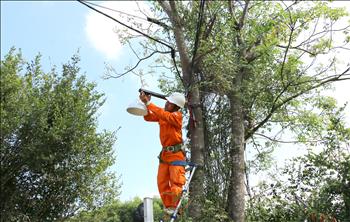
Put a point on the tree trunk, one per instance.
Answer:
(236, 193)
(197, 156)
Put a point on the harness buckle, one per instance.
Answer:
(174, 148)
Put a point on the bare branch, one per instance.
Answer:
(161, 66)
(276, 105)
(286, 53)
(323, 33)
(282, 141)
(108, 76)
(298, 48)
(313, 33)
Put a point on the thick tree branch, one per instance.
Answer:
(171, 11)
(244, 14)
(166, 7)
(209, 27)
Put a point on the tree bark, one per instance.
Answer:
(236, 193)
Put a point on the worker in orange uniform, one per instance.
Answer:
(170, 178)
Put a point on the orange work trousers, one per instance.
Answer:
(170, 178)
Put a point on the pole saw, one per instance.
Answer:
(148, 92)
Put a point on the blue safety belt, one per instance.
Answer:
(182, 163)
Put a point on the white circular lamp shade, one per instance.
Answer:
(137, 108)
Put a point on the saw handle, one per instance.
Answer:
(148, 92)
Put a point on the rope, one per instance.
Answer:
(199, 25)
(114, 10)
(123, 24)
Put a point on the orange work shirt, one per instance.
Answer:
(170, 124)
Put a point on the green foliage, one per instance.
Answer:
(217, 154)
(53, 160)
(114, 212)
(316, 184)
(266, 57)
(213, 213)
(118, 212)
(127, 211)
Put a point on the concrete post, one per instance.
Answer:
(148, 209)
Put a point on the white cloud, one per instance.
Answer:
(100, 34)
(100, 30)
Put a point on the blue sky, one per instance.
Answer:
(57, 30)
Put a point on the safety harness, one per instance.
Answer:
(174, 149)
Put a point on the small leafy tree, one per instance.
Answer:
(53, 160)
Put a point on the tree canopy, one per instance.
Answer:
(253, 73)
